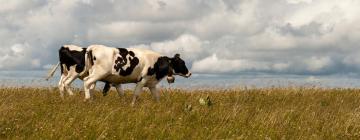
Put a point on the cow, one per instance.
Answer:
(144, 67)
(72, 65)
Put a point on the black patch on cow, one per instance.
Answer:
(161, 68)
(123, 52)
(179, 65)
(90, 55)
(131, 53)
(122, 60)
(119, 62)
(151, 71)
(71, 58)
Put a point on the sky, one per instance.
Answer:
(298, 37)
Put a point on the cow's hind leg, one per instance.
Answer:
(61, 85)
(68, 82)
(106, 88)
(89, 83)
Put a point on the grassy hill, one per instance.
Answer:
(271, 113)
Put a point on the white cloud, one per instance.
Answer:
(315, 64)
(213, 64)
(227, 36)
(188, 45)
(18, 55)
(272, 39)
(299, 1)
(18, 49)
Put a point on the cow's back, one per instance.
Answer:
(147, 57)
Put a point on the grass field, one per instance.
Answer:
(272, 113)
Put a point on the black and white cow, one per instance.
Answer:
(131, 65)
(72, 64)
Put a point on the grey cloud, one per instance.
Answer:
(306, 30)
(139, 10)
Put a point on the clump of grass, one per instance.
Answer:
(268, 113)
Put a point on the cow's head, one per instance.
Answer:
(179, 67)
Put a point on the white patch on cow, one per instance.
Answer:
(73, 48)
(127, 65)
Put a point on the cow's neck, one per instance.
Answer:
(171, 69)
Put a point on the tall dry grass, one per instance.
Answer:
(273, 113)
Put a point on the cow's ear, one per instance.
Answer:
(177, 55)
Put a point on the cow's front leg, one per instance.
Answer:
(154, 91)
(87, 90)
(137, 91)
(88, 86)
(93, 86)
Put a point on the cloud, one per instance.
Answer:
(18, 54)
(316, 64)
(189, 46)
(304, 37)
(213, 64)
(299, 1)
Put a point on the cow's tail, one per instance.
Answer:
(51, 73)
(88, 62)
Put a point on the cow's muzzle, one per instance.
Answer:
(184, 75)
(187, 75)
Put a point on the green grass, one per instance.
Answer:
(272, 113)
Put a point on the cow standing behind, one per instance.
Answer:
(130, 65)
(72, 65)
